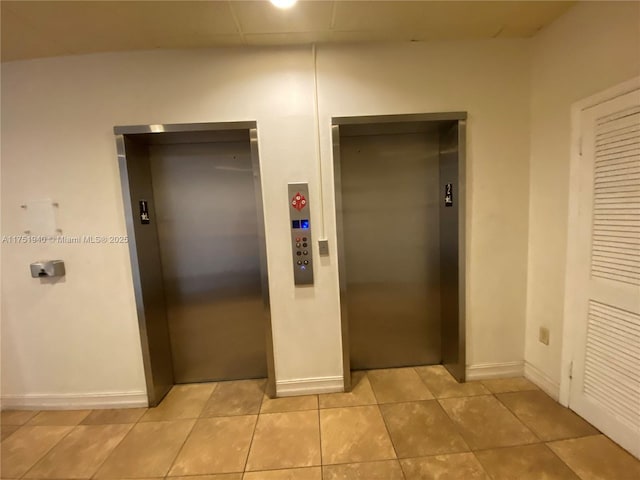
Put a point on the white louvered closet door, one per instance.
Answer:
(605, 388)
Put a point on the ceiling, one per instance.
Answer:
(34, 29)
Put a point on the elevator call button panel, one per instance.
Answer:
(300, 233)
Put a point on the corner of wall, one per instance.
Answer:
(591, 47)
(542, 380)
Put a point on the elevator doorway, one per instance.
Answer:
(193, 205)
(400, 200)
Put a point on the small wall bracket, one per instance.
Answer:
(47, 269)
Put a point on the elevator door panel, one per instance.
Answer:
(391, 242)
(208, 235)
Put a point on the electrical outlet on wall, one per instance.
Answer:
(543, 335)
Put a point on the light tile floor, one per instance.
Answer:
(396, 424)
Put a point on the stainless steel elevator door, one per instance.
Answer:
(208, 235)
(391, 245)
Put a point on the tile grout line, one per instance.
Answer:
(253, 434)
(113, 450)
(457, 430)
(366, 374)
(184, 442)
(515, 417)
(213, 390)
(545, 444)
(143, 414)
(455, 426)
(415, 369)
(373, 390)
(9, 436)
(542, 440)
(320, 440)
(368, 461)
(437, 397)
(535, 434)
(482, 466)
(34, 413)
(578, 438)
(557, 403)
(563, 462)
(386, 427)
(41, 457)
(194, 419)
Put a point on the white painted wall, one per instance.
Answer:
(594, 46)
(79, 337)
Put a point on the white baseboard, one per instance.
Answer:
(74, 401)
(309, 386)
(484, 371)
(542, 380)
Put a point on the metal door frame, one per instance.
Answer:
(252, 128)
(336, 122)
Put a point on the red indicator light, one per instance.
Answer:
(298, 201)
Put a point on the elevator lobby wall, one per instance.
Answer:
(76, 342)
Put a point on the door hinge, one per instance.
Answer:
(571, 369)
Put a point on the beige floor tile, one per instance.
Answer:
(353, 435)
(80, 454)
(421, 428)
(503, 385)
(545, 417)
(361, 394)
(26, 446)
(289, 404)
(242, 397)
(182, 402)
(7, 430)
(443, 385)
(398, 385)
(529, 462)
(222, 476)
(17, 417)
(285, 440)
(485, 423)
(311, 473)
(114, 416)
(385, 470)
(58, 418)
(458, 466)
(148, 450)
(597, 457)
(216, 445)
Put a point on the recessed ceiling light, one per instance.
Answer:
(283, 3)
